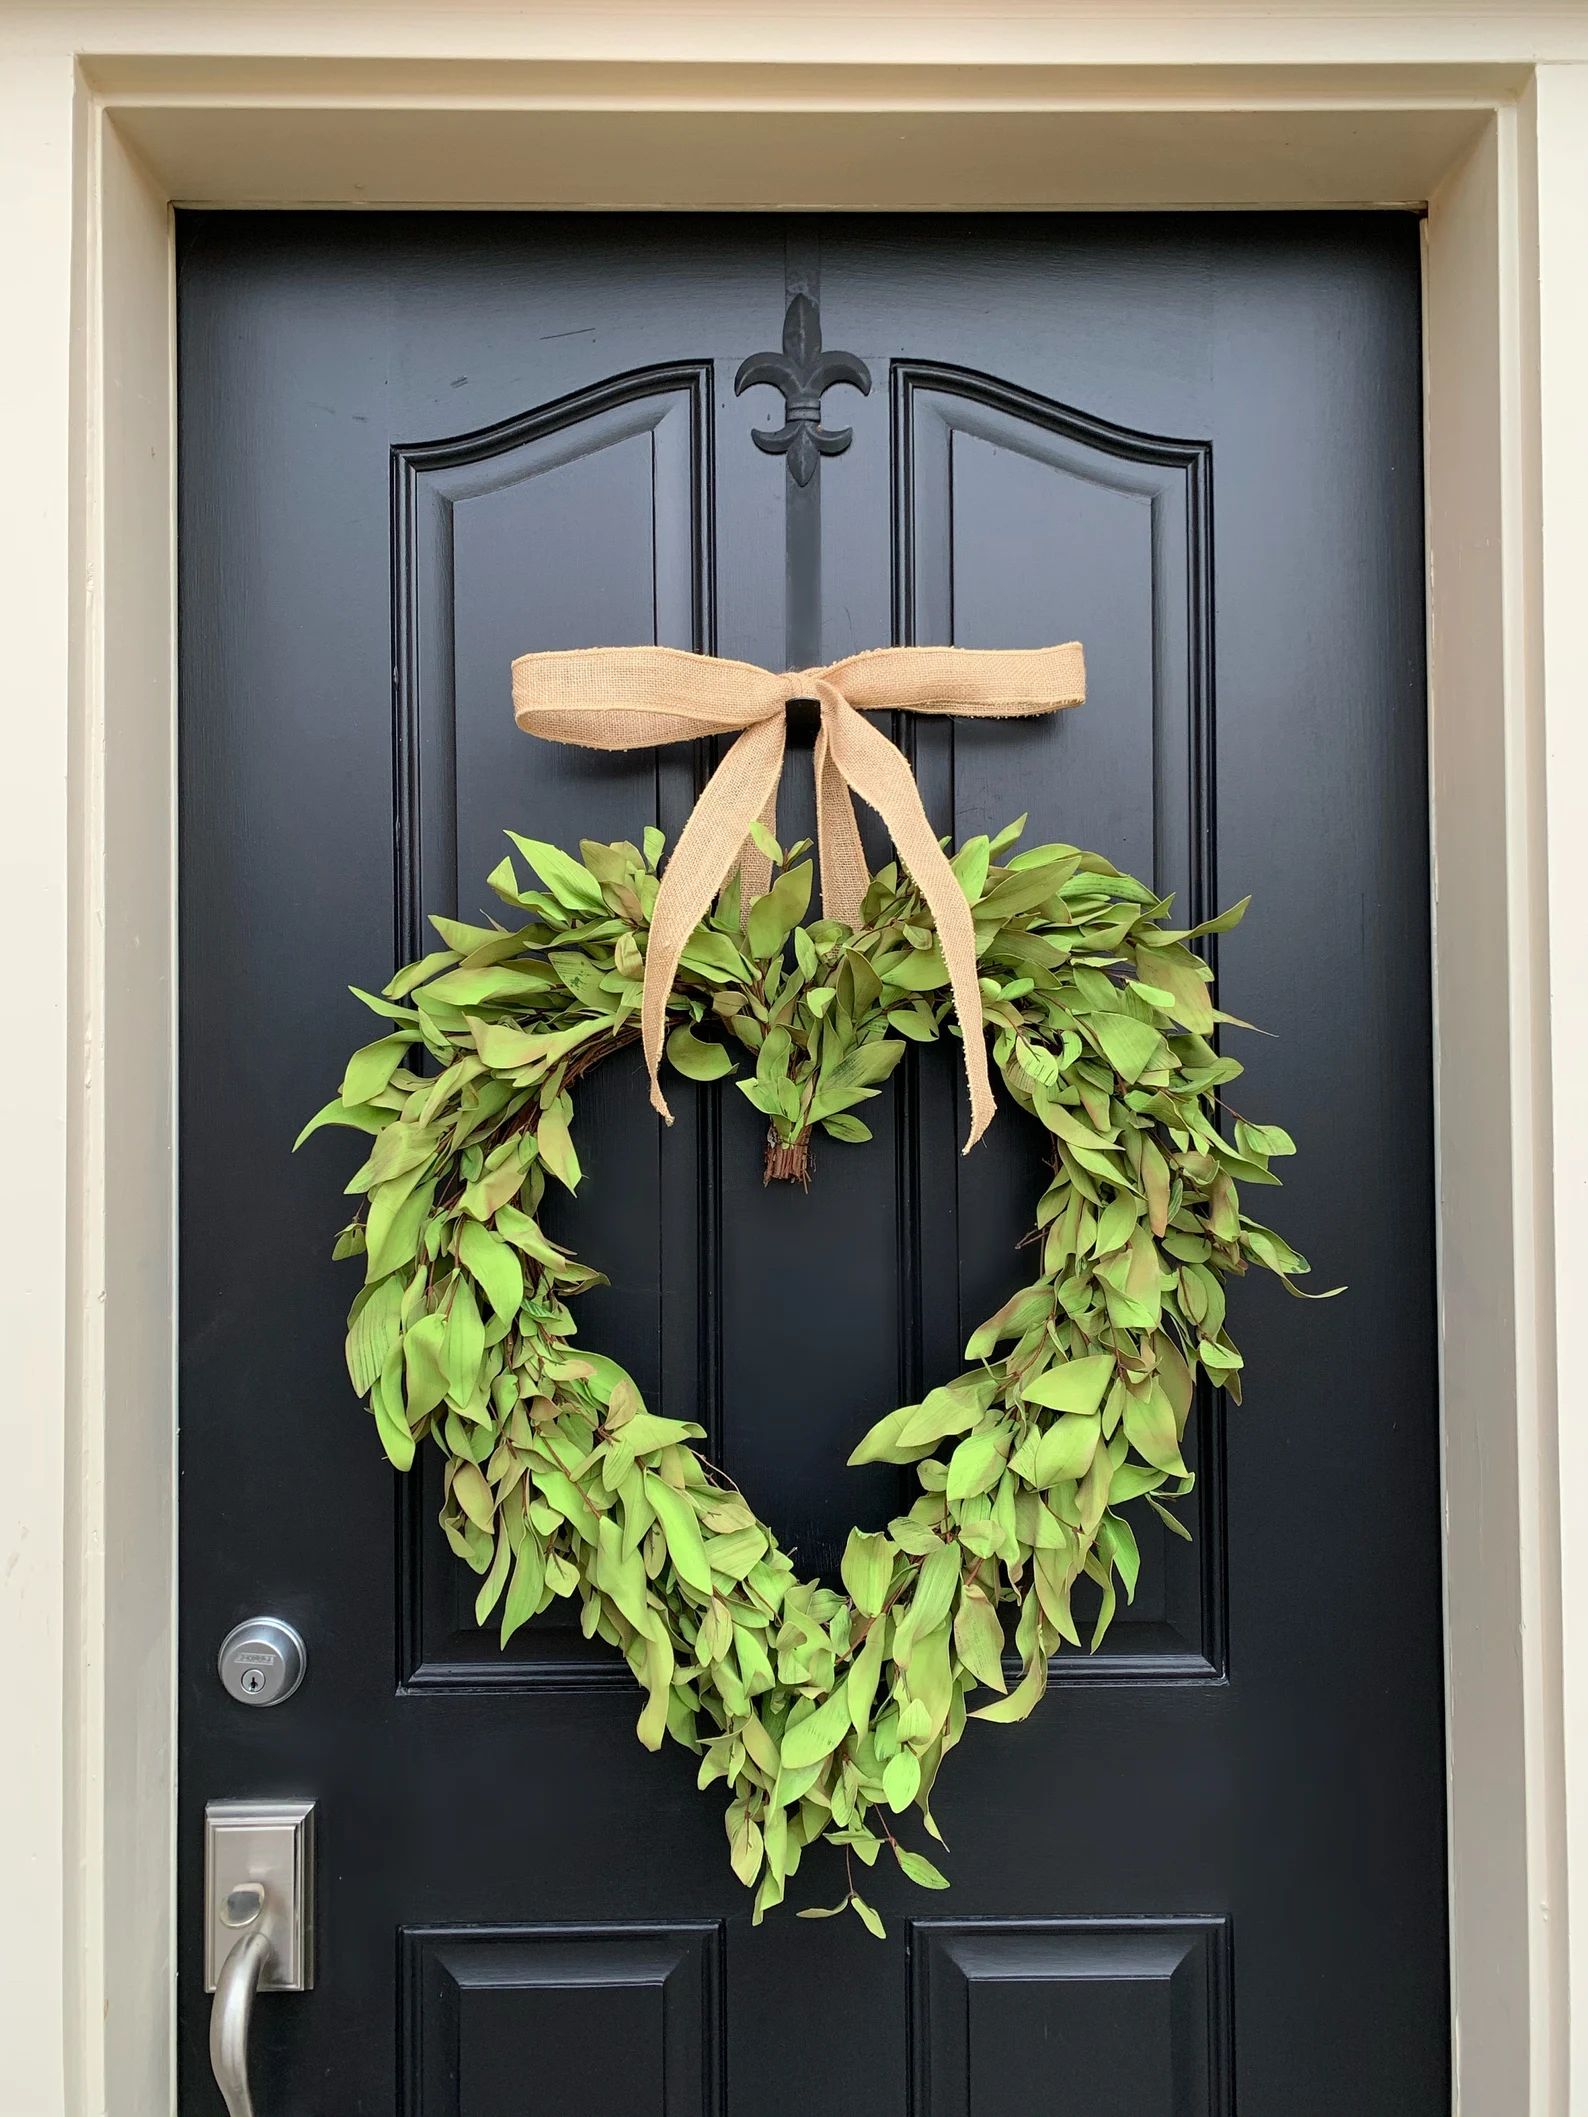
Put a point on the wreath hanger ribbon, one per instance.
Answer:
(634, 698)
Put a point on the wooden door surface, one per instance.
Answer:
(1208, 1876)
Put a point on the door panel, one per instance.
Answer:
(582, 524)
(1017, 520)
(590, 2018)
(1135, 2012)
(415, 446)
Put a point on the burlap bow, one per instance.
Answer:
(631, 698)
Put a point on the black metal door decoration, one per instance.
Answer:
(804, 372)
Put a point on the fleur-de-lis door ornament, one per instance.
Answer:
(803, 373)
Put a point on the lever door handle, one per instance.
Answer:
(232, 2012)
(258, 1923)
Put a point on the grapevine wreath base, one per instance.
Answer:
(825, 1712)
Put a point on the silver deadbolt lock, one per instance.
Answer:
(262, 1660)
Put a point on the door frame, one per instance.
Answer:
(108, 117)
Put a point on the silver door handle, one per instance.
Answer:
(233, 2011)
(258, 1923)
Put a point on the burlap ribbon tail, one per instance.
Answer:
(629, 698)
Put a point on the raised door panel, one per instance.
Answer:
(582, 523)
(1020, 521)
(499, 2021)
(1072, 2018)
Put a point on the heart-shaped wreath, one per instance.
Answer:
(826, 1711)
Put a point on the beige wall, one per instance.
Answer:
(107, 112)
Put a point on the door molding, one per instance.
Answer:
(106, 118)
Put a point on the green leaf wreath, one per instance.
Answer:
(826, 1712)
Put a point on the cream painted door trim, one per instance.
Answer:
(107, 114)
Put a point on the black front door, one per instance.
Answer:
(1208, 1875)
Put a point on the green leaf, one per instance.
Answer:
(657, 1677)
(473, 1494)
(525, 1589)
(860, 1685)
(372, 1332)
(774, 917)
(868, 1918)
(1150, 1429)
(1184, 977)
(463, 1345)
(919, 1869)
(695, 1058)
(1116, 1540)
(853, 1078)
(1263, 1140)
(734, 1554)
(479, 984)
(1067, 1448)
(1221, 925)
(846, 1126)
(1131, 1480)
(1075, 1385)
(359, 1118)
(647, 1431)
(976, 1465)
(713, 955)
(416, 973)
(557, 1149)
(388, 1008)
(1130, 1047)
(867, 1569)
(881, 1443)
(505, 1048)
(745, 1847)
(935, 1589)
(1031, 1305)
(818, 1734)
(1170, 1521)
(901, 1779)
(1021, 1701)
(1218, 1359)
(979, 1639)
(970, 865)
(916, 1021)
(424, 1374)
(494, 1581)
(765, 843)
(681, 1528)
(922, 970)
(392, 1228)
(519, 1229)
(390, 1420)
(494, 1265)
(953, 1407)
(571, 884)
(369, 1070)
